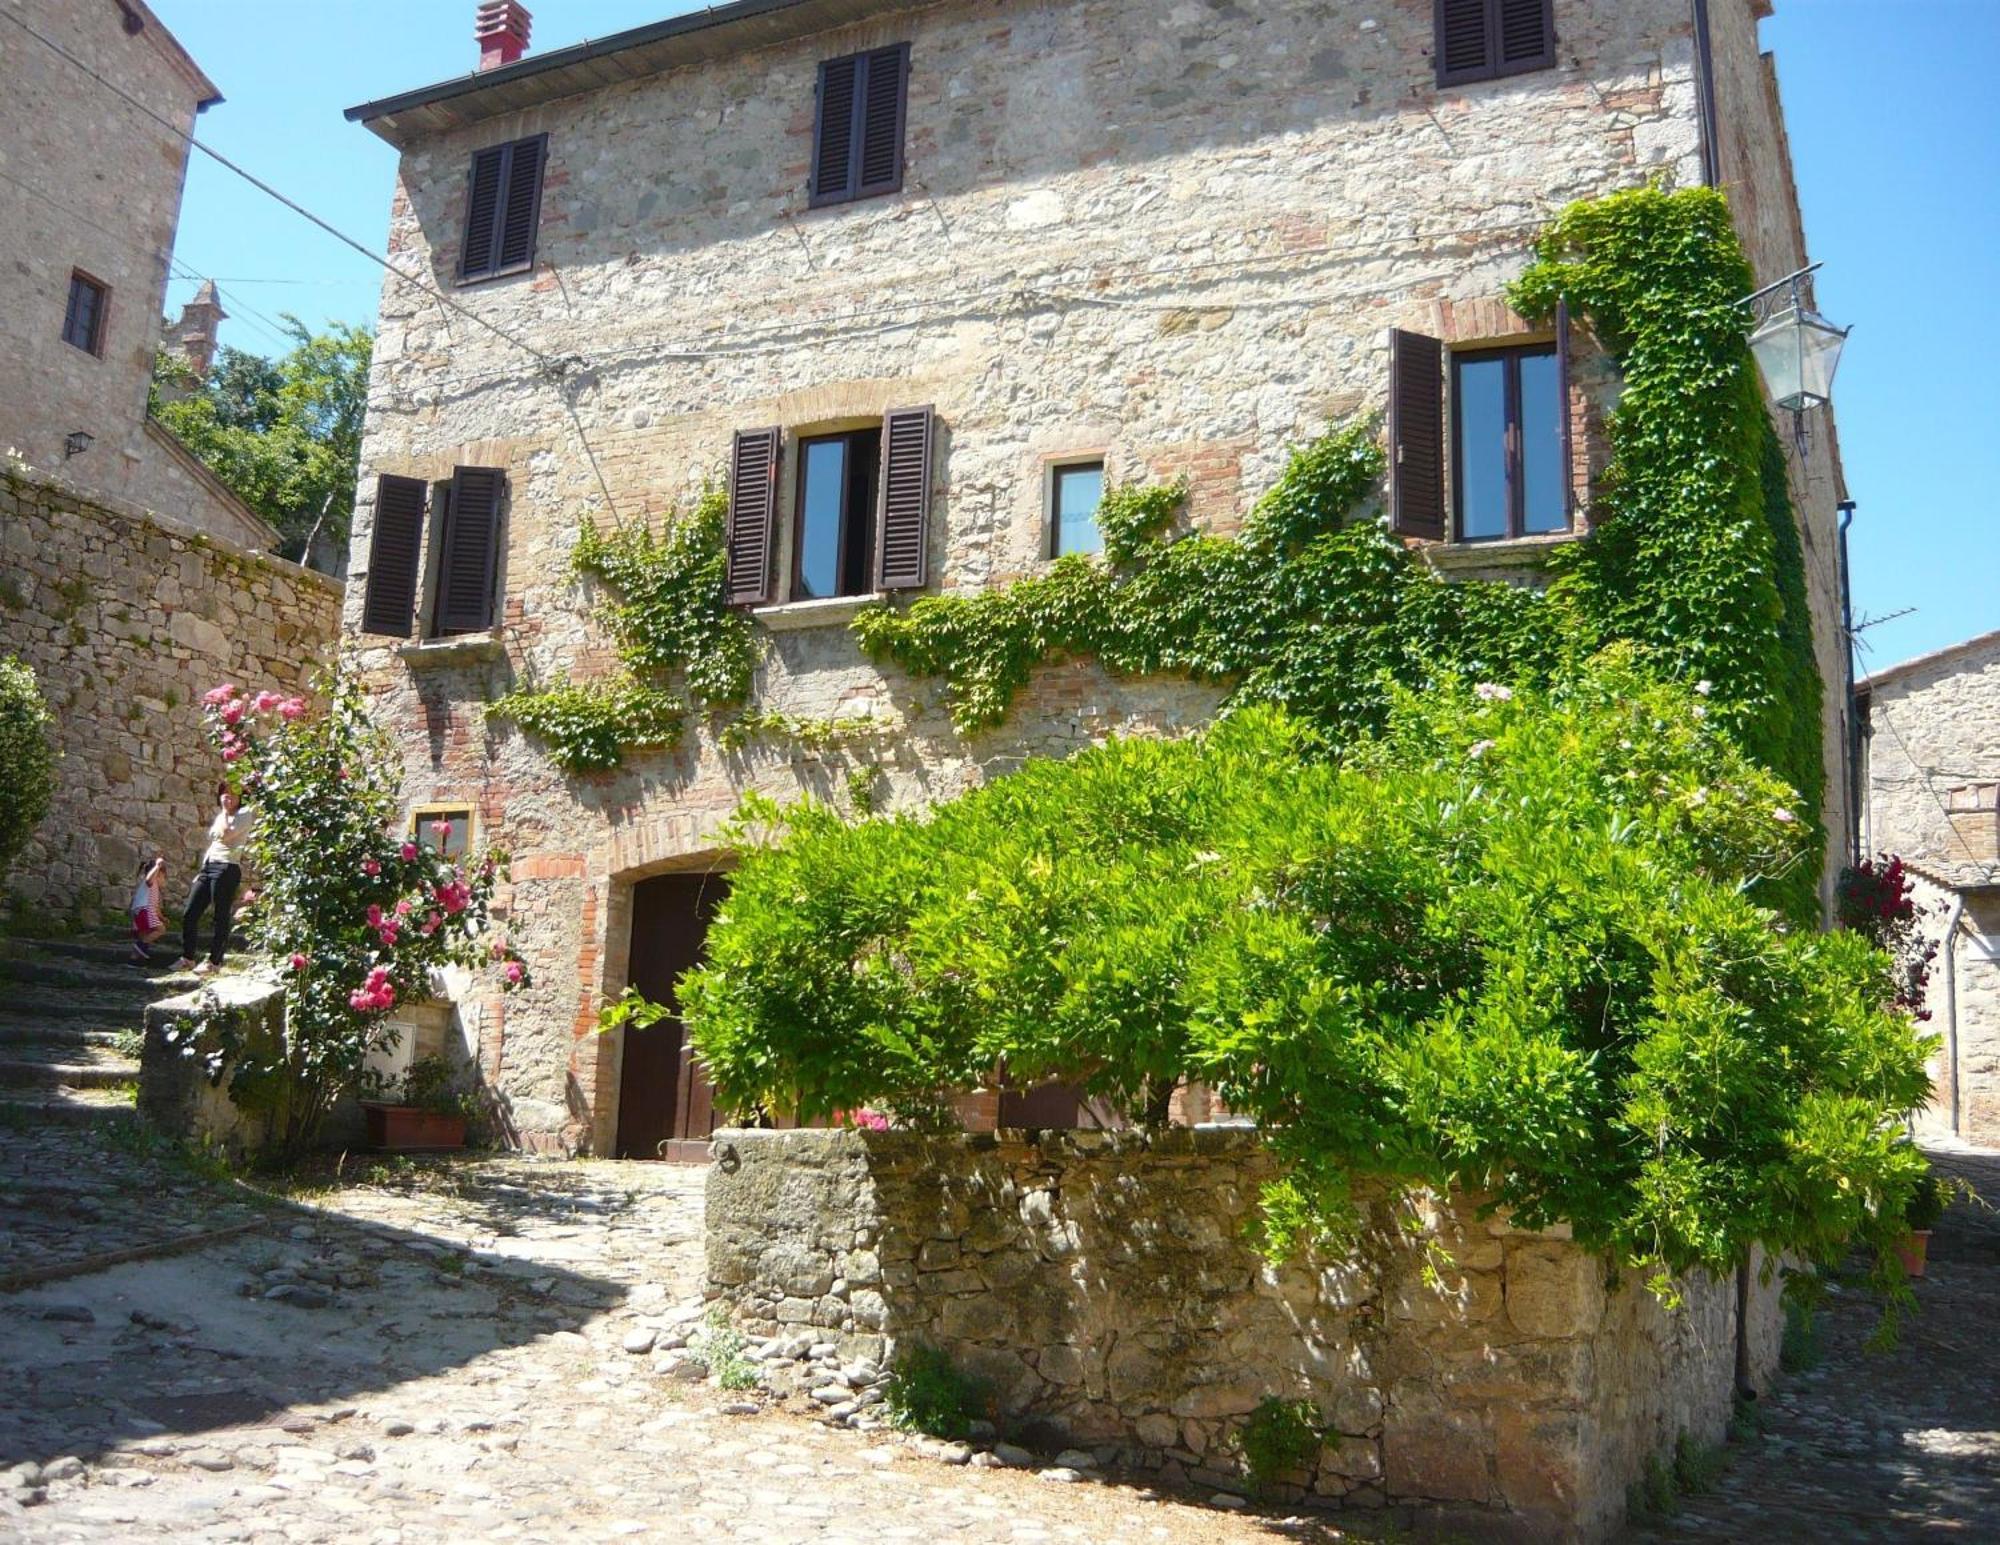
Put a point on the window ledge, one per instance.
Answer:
(1526, 552)
(814, 614)
(458, 649)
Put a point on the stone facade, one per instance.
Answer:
(1932, 774)
(94, 185)
(1104, 1287)
(1171, 236)
(126, 622)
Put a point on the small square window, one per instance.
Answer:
(1075, 492)
(443, 829)
(83, 319)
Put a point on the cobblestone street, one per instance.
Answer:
(464, 1352)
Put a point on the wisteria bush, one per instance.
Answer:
(359, 917)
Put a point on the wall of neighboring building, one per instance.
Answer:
(126, 622)
(1933, 799)
(1176, 242)
(94, 184)
(1754, 163)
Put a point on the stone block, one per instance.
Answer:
(1553, 1289)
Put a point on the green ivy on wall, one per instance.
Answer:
(1694, 555)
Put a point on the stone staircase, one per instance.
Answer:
(69, 1012)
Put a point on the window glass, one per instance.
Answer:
(81, 319)
(1078, 492)
(1482, 448)
(452, 843)
(822, 498)
(1542, 502)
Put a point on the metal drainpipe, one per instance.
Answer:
(1853, 719)
(1952, 920)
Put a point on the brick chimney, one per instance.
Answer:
(501, 31)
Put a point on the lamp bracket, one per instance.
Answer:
(1793, 290)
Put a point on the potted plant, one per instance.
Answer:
(1920, 1216)
(429, 1115)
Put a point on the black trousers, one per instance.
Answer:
(214, 886)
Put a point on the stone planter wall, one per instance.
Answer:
(1104, 1286)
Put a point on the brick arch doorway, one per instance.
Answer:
(666, 1105)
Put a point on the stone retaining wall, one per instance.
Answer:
(126, 620)
(1104, 1286)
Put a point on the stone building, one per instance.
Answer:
(1931, 771)
(1012, 249)
(97, 102)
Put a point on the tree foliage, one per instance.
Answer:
(27, 760)
(284, 434)
(1509, 943)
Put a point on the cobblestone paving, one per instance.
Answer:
(446, 1360)
(1881, 1447)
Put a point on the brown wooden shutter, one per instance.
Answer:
(482, 211)
(390, 602)
(1416, 435)
(753, 516)
(1562, 402)
(883, 103)
(833, 130)
(522, 208)
(906, 500)
(470, 545)
(1464, 49)
(1525, 35)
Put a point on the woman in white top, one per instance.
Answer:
(221, 873)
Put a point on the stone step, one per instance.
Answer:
(64, 1067)
(74, 1006)
(120, 975)
(69, 1107)
(22, 1030)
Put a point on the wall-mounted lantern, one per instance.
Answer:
(1797, 349)
(76, 442)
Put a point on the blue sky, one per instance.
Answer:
(1895, 130)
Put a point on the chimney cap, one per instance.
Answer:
(501, 28)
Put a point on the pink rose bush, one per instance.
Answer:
(365, 916)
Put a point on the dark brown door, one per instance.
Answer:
(666, 1108)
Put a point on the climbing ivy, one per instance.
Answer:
(672, 630)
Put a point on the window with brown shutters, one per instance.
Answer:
(83, 317)
(753, 516)
(389, 604)
(1416, 435)
(1486, 39)
(858, 127)
(906, 500)
(503, 206)
(468, 551)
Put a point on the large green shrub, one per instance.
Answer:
(27, 760)
(1510, 944)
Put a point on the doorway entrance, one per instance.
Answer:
(666, 1106)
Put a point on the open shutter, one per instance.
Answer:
(1568, 451)
(1464, 46)
(522, 208)
(390, 602)
(482, 211)
(1416, 435)
(906, 500)
(1525, 31)
(471, 543)
(833, 132)
(883, 100)
(753, 516)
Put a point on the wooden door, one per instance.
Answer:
(666, 1108)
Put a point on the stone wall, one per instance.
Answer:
(1933, 798)
(95, 185)
(126, 622)
(1514, 1385)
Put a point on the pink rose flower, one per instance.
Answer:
(442, 828)
(403, 907)
(233, 713)
(387, 934)
(374, 912)
(516, 972)
(219, 695)
(298, 961)
(231, 753)
(370, 868)
(292, 708)
(409, 851)
(266, 700)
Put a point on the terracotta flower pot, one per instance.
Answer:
(1912, 1251)
(411, 1129)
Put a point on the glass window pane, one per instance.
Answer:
(1544, 507)
(1079, 490)
(424, 829)
(1482, 448)
(821, 494)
